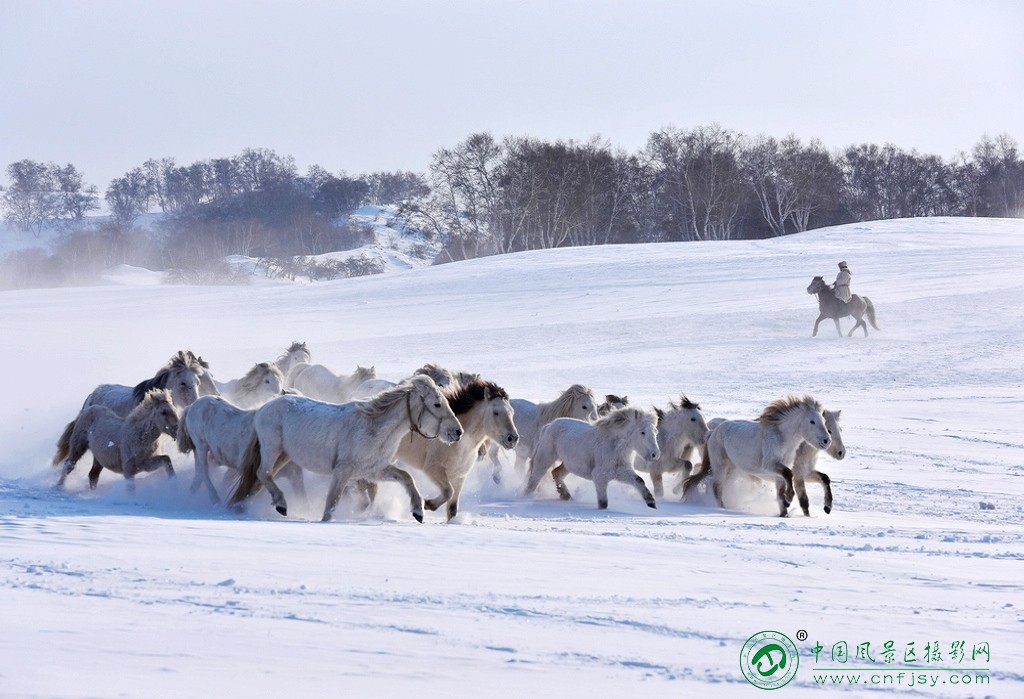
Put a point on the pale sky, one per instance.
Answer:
(366, 85)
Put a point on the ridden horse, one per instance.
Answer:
(831, 307)
(125, 445)
(356, 440)
(765, 447)
(484, 412)
(600, 451)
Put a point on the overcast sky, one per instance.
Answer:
(380, 85)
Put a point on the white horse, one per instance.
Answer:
(356, 440)
(612, 402)
(125, 445)
(320, 383)
(444, 378)
(765, 447)
(219, 433)
(577, 401)
(602, 451)
(681, 430)
(804, 465)
(261, 383)
(295, 354)
(484, 412)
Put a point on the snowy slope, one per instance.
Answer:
(106, 594)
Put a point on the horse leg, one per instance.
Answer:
(94, 473)
(453, 501)
(631, 477)
(839, 330)
(601, 486)
(558, 474)
(826, 484)
(784, 483)
(368, 489)
(293, 473)
(543, 460)
(339, 478)
(801, 492)
(269, 463)
(440, 478)
(202, 475)
(492, 452)
(656, 481)
(393, 473)
(816, 323)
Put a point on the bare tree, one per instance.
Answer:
(698, 181)
(41, 193)
(128, 196)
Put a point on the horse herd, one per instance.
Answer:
(291, 415)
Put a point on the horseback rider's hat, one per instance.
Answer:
(842, 265)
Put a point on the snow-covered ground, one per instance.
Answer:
(107, 594)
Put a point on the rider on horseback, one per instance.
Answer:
(841, 287)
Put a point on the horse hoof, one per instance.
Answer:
(828, 510)
(282, 510)
(653, 505)
(418, 517)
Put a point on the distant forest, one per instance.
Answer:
(486, 196)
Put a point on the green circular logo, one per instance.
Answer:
(769, 660)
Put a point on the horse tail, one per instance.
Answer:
(871, 312)
(64, 443)
(183, 439)
(247, 480)
(695, 479)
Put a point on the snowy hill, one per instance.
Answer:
(159, 594)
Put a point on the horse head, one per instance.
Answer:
(817, 284)
(683, 423)
(584, 406)
(158, 408)
(836, 449)
(644, 435)
(435, 417)
(498, 422)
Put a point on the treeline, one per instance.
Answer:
(708, 183)
(487, 196)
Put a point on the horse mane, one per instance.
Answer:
(380, 404)
(295, 347)
(149, 401)
(441, 376)
(684, 404)
(462, 398)
(250, 382)
(183, 360)
(203, 364)
(777, 411)
(620, 417)
(563, 404)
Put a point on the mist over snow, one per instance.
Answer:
(158, 594)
